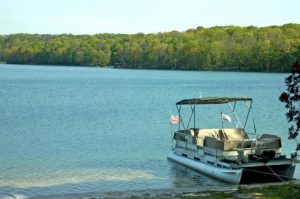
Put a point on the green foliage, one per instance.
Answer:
(262, 192)
(273, 192)
(291, 98)
(250, 48)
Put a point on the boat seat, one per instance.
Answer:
(223, 145)
(268, 141)
(222, 134)
(225, 134)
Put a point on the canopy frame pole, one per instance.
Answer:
(235, 115)
(249, 109)
(179, 114)
(193, 113)
(254, 126)
(234, 106)
(235, 121)
(194, 116)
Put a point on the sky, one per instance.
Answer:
(134, 16)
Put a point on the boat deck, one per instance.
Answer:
(253, 163)
(192, 154)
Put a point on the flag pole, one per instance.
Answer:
(222, 120)
(171, 128)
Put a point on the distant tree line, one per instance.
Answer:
(250, 48)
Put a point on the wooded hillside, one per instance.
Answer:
(250, 48)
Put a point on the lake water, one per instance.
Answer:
(80, 129)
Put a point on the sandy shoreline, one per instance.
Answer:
(148, 193)
(159, 193)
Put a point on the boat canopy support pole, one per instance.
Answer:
(249, 109)
(194, 116)
(180, 122)
(254, 126)
(193, 113)
(235, 115)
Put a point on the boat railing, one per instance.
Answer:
(229, 149)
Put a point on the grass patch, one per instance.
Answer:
(284, 191)
(289, 191)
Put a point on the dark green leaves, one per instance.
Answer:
(291, 99)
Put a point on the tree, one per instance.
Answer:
(291, 98)
(272, 48)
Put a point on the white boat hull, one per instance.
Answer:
(225, 174)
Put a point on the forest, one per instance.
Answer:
(223, 48)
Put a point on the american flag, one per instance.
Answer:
(174, 119)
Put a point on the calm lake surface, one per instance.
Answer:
(80, 129)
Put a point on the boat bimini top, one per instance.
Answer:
(231, 101)
(212, 100)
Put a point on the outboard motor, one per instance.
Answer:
(268, 155)
(266, 147)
